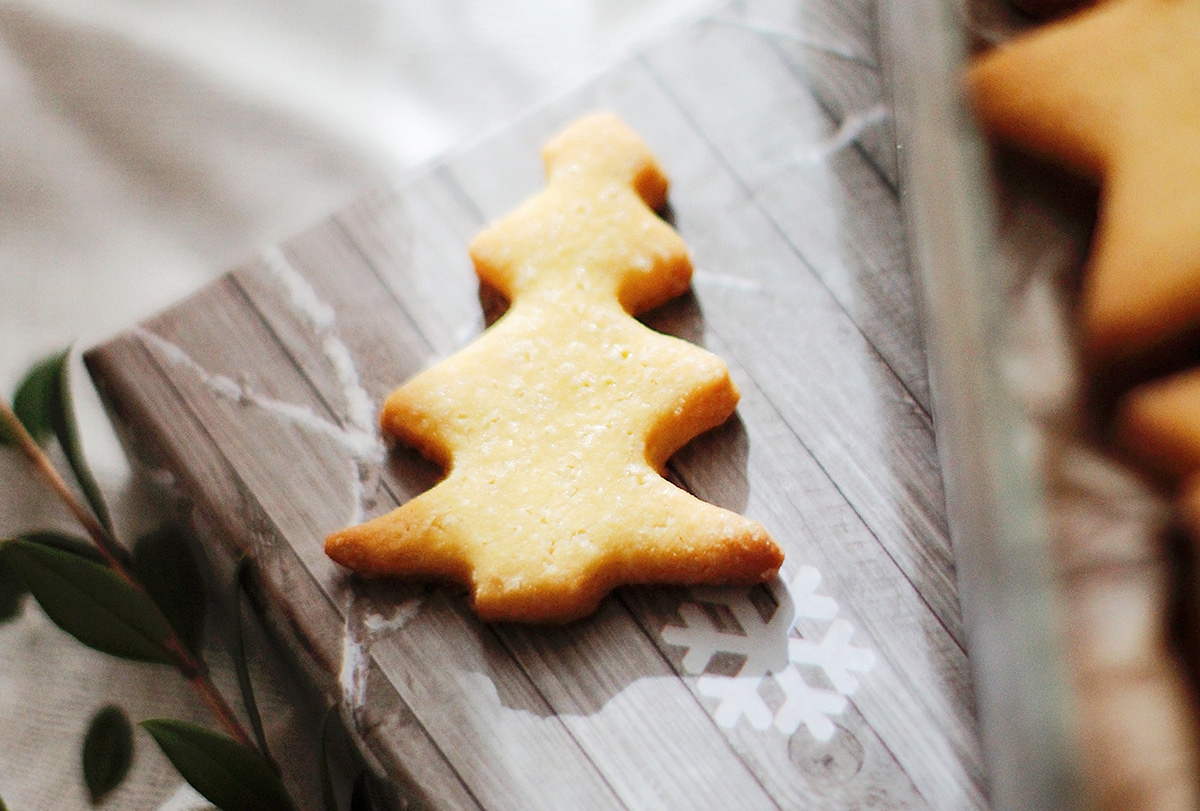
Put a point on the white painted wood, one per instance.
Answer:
(254, 394)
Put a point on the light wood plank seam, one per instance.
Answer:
(633, 614)
(722, 159)
(823, 104)
(247, 493)
(772, 33)
(396, 501)
(445, 176)
(332, 413)
(808, 266)
(726, 351)
(353, 244)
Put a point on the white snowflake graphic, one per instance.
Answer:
(771, 648)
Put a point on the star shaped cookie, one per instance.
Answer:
(555, 425)
(1114, 92)
(1159, 422)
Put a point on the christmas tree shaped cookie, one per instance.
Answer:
(555, 425)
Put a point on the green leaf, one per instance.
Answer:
(62, 420)
(107, 752)
(3, 807)
(90, 601)
(12, 589)
(65, 543)
(165, 564)
(231, 776)
(37, 393)
(12, 585)
(44, 405)
(237, 650)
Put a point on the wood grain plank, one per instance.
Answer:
(165, 433)
(565, 687)
(721, 233)
(918, 696)
(854, 95)
(647, 758)
(305, 482)
(499, 733)
(267, 284)
(850, 412)
(845, 405)
(922, 705)
(276, 372)
(417, 245)
(643, 726)
(836, 47)
(832, 204)
(844, 28)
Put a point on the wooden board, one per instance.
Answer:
(843, 684)
(1078, 591)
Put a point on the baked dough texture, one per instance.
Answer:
(1158, 423)
(554, 426)
(1114, 92)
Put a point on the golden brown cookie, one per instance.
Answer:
(1159, 423)
(1114, 91)
(555, 425)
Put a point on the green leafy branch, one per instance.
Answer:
(146, 605)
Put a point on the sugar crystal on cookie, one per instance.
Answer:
(555, 425)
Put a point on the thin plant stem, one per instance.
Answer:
(192, 668)
(41, 462)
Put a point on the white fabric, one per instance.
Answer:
(145, 145)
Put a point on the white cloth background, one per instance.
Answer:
(145, 145)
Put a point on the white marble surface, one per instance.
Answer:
(146, 145)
